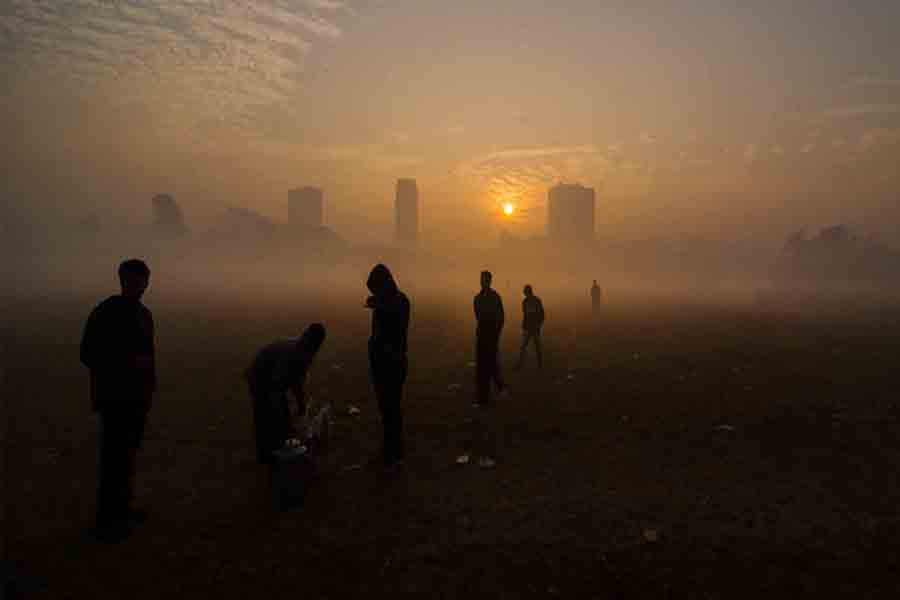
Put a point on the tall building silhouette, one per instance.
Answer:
(406, 210)
(167, 215)
(306, 206)
(570, 213)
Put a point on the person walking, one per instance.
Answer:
(532, 322)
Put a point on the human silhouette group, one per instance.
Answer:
(117, 347)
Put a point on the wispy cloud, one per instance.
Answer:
(873, 81)
(860, 110)
(194, 60)
(875, 137)
(529, 171)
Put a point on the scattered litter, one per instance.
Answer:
(454, 387)
(651, 535)
(353, 411)
(463, 459)
(725, 427)
(486, 462)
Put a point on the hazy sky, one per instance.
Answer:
(698, 117)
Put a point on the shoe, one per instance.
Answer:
(113, 534)
(486, 462)
(138, 516)
(394, 469)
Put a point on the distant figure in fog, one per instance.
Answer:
(280, 367)
(489, 318)
(387, 359)
(596, 296)
(532, 321)
(118, 348)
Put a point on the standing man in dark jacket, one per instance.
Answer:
(118, 348)
(489, 318)
(387, 358)
(532, 321)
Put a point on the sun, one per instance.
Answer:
(508, 209)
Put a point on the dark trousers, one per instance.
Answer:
(120, 436)
(487, 365)
(528, 336)
(388, 383)
(271, 421)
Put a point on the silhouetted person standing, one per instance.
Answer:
(532, 322)
(596, 296)
(118, 348)
(280, 367)
(489, 318)
(387, 358)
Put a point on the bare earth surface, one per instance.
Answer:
(667, 451)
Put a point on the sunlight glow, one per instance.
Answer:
(508, 209)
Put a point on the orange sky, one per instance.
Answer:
(710, 119)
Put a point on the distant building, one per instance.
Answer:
(570, 213)
(167, 215)
(306, 206)
(406, 210)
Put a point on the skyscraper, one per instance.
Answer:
(306, 206)
(406, 211)
(167, 216)
(570, 214)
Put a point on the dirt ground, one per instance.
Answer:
(666, 452)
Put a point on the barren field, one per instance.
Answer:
(667, 451)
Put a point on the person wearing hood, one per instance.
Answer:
(387, 358)
(280, 367)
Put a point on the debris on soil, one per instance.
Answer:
(651, 535)
(725, 427)
(570, 376)
(336, 367)
(471, 364)
(354, 467)
(624, 418)
(463, 459)
(353, 411)
(454, 387)
(486, 462)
